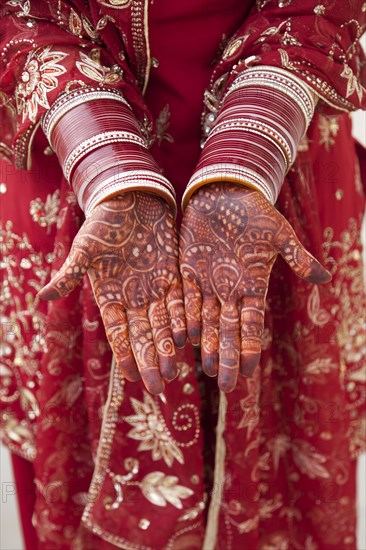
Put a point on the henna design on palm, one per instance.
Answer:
(129, 248)
(230, 238)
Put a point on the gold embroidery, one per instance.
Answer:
(318, 316)
(162, 125)
(157, 487)
(283, 28)
(192, 513)
(24, 6)
(46, 213)
(18, 259)
(160, 489)
(149, 428)
(140, 40)
(328, 128)
(91, 67)
(115, 4)
(234, 46)
(319, 9)
(75, 24)
(309, 461)
(353, 84)
(344, 259)
(38, 79)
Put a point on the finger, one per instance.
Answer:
(175, 307)
(68, 277)
(210, 335)
(143, 348)
(192, 306)
(229, 346)
(116, 327)
(163, 340)
(298, 258)
(252, 326)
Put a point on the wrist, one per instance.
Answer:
(101, 148)
(118, 180)
(254, 139)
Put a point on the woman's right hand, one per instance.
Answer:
(129, 248)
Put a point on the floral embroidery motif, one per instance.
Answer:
(344, 257)
(309, 461)
(278, 447)
(328, 128)
(284, 29)
(160, 489)
(23, 270)
(353, 84)
(157, 487)
(162, 125)
(24, 6)
(91, 67)
(38, 79)
(192, 513)
(319, 9)
(149, 428)
(46, 213)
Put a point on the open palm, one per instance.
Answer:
(230, 238)
(129, 248)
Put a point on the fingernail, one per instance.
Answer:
(156, 387)
(210, 365)
(326, 277)
(168, 371)
(173, 377)
(226, 386)
(249, 363)
(48, 293)
(132, 376)
(180, 340)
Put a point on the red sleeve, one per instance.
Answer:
(258, 105)
(43, 54)
(318, 41)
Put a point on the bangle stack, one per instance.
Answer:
(263, 116)
(101, 149)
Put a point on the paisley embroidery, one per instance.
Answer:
(115, 4)
(318, 316)
(91, 67)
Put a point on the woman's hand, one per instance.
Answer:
(230, 239)
(129, 248)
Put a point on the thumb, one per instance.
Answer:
(68, 277)
(298, 258)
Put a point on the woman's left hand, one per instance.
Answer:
(230, 238)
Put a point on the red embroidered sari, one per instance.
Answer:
(114, 466)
